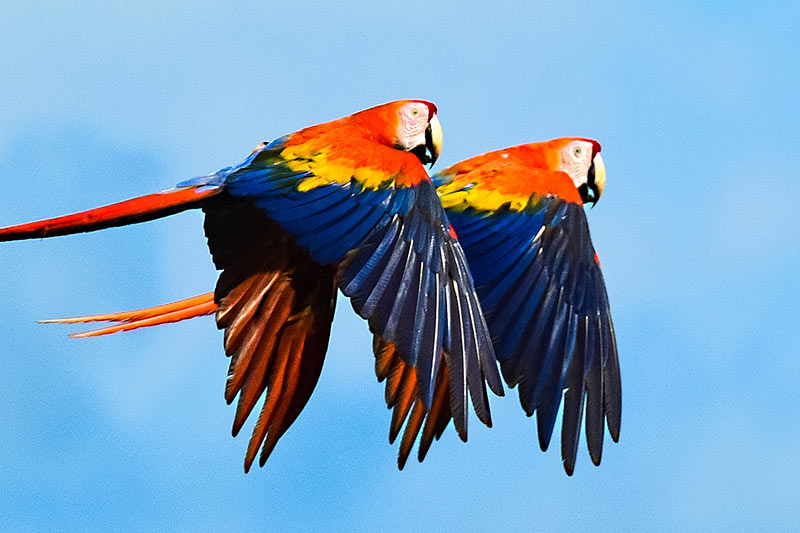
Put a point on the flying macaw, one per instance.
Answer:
(518, 213)
(344, 204)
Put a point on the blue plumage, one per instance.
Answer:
(545, 302)
(395, 259)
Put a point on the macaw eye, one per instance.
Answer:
(577, 151)
(415, 112)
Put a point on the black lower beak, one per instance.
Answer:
(587, 195)
(588, 190)
(422, 154)
(430, 147)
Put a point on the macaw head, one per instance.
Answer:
(408, 125)
(580, 159)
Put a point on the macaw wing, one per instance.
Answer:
(276, 306)
(373, 214)
(544, 298)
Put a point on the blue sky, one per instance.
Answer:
(695, 105)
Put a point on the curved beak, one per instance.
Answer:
(599, 182)
(595, 181)
(433, 139)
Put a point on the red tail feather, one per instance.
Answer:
(139, 209)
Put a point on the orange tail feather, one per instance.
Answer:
(195, 306)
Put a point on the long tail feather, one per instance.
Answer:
(141, 209)
(195, 306)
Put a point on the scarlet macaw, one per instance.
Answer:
(519, 216)
(518, 213)
(346, 203)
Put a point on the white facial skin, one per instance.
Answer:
(576, 158)
(413, 122)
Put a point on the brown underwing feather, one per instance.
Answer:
(402, 396)
(276, 309)
(246, 308)
(263, 422)
(384, 358)
(410, 434)
(276, 305)
(440, 403)
(256, 372)
(233, 302)
(408, 393)
(394, 381)
(292, 342)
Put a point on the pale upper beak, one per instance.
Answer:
(599, 177)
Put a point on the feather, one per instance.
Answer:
(141, 209)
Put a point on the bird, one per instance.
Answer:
(518, 214)
(343, 204)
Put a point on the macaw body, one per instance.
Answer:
(344, 204)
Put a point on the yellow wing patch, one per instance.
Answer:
(459, 195)
(326, 171)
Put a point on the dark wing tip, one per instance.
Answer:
(597, 456)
